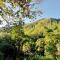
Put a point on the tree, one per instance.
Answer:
(51, 44)
(51, 48)
(40, 46)
(14, 12)
(17, 10)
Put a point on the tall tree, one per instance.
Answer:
(17, 9)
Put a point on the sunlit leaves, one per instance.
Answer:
(1, 2)
(16, 32)
(40, 45)
(26, 47)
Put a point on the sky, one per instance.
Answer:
(51, 8)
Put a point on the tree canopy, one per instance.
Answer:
(18, 9)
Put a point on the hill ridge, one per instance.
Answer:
(41, 25)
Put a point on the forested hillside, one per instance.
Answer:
(43, 25)
(39, 40)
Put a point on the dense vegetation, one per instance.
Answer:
(14, 43)
(37, 41)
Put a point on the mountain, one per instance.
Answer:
(40, 26)
(43, 25)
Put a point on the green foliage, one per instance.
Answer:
(38, 41)
(43, 26)
(16, 32)
(26, 47)
(51, 47)
(40, 45)
(49, 31)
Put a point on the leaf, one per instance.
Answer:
(29, 0)
(1, 2)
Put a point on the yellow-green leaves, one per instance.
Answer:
(26, 47)
(16, 32)
(1, 3)
(29, 0)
